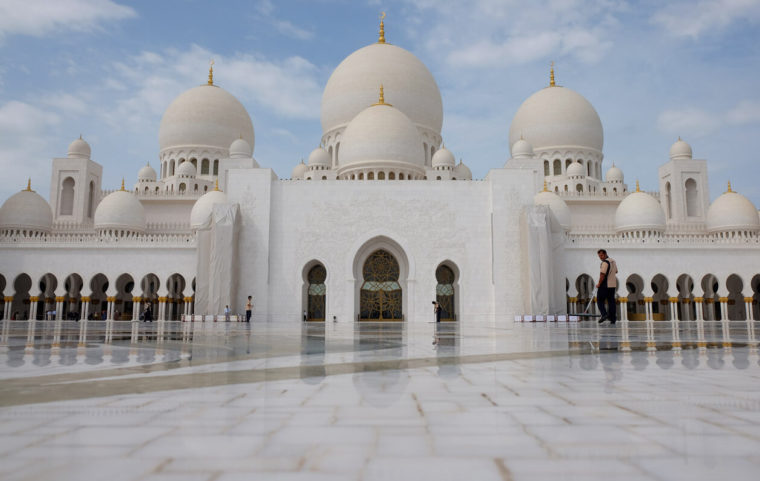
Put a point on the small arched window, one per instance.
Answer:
(216, 166)
(204, 167)
(91, 199)
(67, 197)
(557, 167)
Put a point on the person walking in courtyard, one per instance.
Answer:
(227, 313)
(248, 309)
(606, 286)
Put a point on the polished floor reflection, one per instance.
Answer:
(224, 401)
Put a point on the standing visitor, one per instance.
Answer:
(605, 293)
(248, 309)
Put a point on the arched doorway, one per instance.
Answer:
(315, 310)
(444, 292)
(380, 298)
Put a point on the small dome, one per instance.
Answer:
(240, 149)
(680, 150)
(186, 169)
(120, 210)
(614, 174)
(462, 172)
(319, 158)
(200, 216)
(557, 117)
(26, 210)
(444, 158)
(381, 134)
(206, 116)
(558, 207)
(576, 170)
(79, 149)
(299, 171)
(639, 211)
(147, 174)
(732, 212)
(522, 148)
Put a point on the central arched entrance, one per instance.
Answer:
(380, 297)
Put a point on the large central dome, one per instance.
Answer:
(557, 117)
(206, 116)
(353, 86)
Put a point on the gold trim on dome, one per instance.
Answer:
(216, 184)
(28, 185)
(211, 72)
(729, 191)
(637, 186)
(381, 38)
(122, 184)
(546, 189)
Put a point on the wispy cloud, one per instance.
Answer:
(692, 19)
(43, 17)
(488, 32)
(25, 133)
(698, 122)
(266, 9)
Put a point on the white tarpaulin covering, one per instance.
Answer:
(201, 271)
(222, 270)
(216, 266)
(540, 258)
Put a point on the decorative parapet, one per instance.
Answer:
(95, 239)
(583, 238)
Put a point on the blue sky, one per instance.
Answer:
(107, 69)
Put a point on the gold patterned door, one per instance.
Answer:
(317, 291)
(380, 298)
(444, 292)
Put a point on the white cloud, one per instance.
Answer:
(746, 112)
(690, 19)
(698, 123)
(42, 17)
(24, 140)
(288, 88)
(485, 33)
(266, 9)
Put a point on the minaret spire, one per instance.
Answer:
(551, 76)
(381, 99)
(211, 72)
(381, 39)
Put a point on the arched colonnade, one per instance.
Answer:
(684, 297)
(98, 296)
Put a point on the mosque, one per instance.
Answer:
(381, 221)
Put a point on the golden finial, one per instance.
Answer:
(381, 100)
(382, 28)
(546, 189)
(637, 186)
(211, 72)
(29, 185)
(551, 76)
(216, 186)
(122, 183)
(729, 188)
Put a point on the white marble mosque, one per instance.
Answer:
(358, 242)
(380, 221)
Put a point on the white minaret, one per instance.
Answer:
(684, 193)
(75, 185)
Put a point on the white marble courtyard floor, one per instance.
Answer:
(228, 401)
